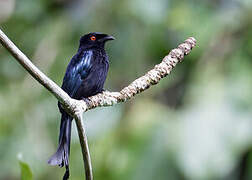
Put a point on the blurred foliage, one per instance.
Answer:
(26, 173)
(195, 125)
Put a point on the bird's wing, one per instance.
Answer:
(77, 71)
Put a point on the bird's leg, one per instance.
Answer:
(87, 101)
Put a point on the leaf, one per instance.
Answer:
(26, 173)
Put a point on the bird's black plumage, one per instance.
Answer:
(85, 76)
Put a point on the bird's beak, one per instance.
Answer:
(107, 38)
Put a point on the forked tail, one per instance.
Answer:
(61, 157)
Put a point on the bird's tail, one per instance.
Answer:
(61, 157)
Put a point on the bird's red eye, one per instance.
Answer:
(93, 38)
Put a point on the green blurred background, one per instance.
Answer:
(194, 125)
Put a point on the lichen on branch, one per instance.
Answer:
(151, 78)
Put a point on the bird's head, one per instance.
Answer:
(94, 40)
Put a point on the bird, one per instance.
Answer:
(84, 77)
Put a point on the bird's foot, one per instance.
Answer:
(85, 100)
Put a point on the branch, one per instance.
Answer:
(72, 106)
(61, 95)
(84, 145)
(152, 77)
(75, 107)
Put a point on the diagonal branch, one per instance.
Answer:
(152, 77)
(76, 107)
(70, 105)
(34, 71)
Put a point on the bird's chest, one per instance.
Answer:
(94, 81)
(86, 74)
(96, 78)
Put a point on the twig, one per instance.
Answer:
(84, 144)
(76, 108)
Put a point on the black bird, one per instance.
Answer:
(85, 76)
